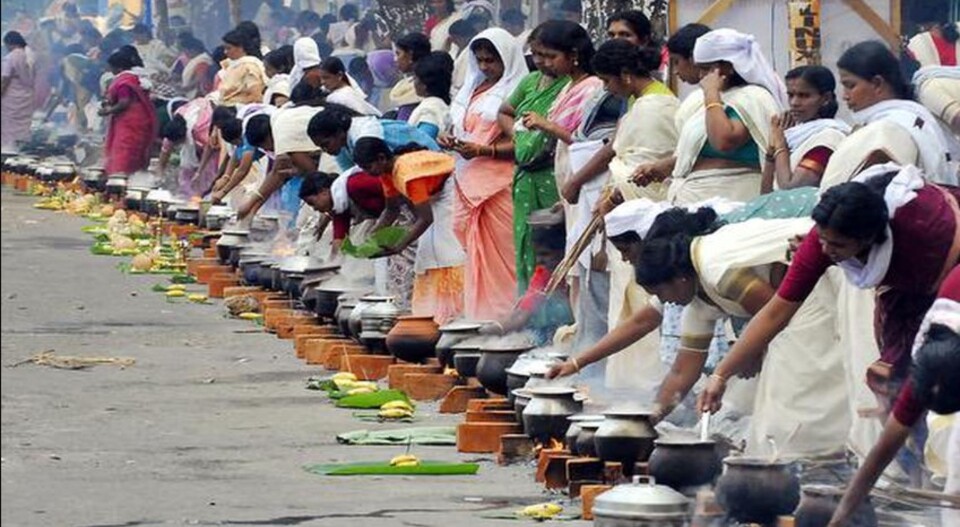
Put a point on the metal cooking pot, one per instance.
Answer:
(188, 214)
(376, 322)
(642, 503)
(450, 335)
(757, 490)
(683, 463)
(494, 362)
(576, 423)
(546, 416)
(626, 436)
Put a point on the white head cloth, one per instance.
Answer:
(514, 68)
(635, 215)
(742, 51)
(306, 54)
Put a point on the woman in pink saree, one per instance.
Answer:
(483, 213)
(133, 120)
(18, 85)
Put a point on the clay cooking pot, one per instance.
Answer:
(413, 338)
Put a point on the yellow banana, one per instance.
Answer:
(541, 511)
(176, 293)
(395, 413)
(360, 390)
(250, 316)
(196, 297)
(176, 287)
(366, 384)
(345, 375)
(405, 460)
(402, 405)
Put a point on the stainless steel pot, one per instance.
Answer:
(546, 416)
(642, 503)
(576, 422)
(452, 334)
(626, 436)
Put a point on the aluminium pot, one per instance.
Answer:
(465, 362)
(413, 338)
(547, 414)
(345, 304)
(642, 503)
(188, 215)
(376, 321)
(452, 334)
(495, 360)
(576, 421)
(626, 436)
(521, 398)
(683, 463)
(585, 444)
(93, 179)
(228, 240)
(154, 199)
(819, 502)
(64, 171)
(356, 316)
(757, 490)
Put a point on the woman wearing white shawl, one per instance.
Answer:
(484, 205)
(721, 145)
(938, 80)
(306, 55)
(890, 126)
(803, 139)
(438, 30)
(333, 76)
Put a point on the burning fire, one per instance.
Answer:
(553, 444)
(451, 372)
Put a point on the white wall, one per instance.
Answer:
(840, 27)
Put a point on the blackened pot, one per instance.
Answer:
(757, 490)
(681, 463)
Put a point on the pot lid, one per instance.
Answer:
(684, 440)
(552, 391)
(235, 232)
(627, 412)
(461, 326)
(586, 418)
(376, 298)
(756, 462)
(247, 260)
(372, 335)
(506, 347)
(295, 264)
(642, 500)
(220, 210)
(521, 393)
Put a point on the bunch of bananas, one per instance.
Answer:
(405, 460)
(347, 383)
(540, 511)
(396, 410)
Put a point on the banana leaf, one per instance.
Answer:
(363, 401)
(385, 237)
(425, 468)
(420, 435)
(373, 416)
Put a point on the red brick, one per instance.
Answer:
(555, 473)
(574, 487)
(588, 495)
(240, 290)
(543, 459)
(315, 349)
(205, 272)
(219, 282)
(482, 405)
(366, 367)
(492, 416)
(515, 448)
(334, 351)
(456, 400)
(285, 325)
(194, 263)
(427, 386)
(585, 468)
(397, 371)
(483, 438)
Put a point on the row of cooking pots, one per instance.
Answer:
(47, 170)
(750, 489)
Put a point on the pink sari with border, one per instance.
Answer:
(131, 133)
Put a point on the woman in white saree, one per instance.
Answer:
(890, 126)
(724, 135)
(646, 132)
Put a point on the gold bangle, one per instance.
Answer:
(259, 195)
(779, 151)
(576, 364)
(714, 105)
(718, 377)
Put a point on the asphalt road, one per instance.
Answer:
(211, 426)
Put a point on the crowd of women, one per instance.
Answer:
(754, 248)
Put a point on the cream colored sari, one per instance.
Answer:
(647, 132)
(801, 399)
(755, 106)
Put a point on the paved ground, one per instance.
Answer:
(210, 427)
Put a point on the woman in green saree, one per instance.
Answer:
(534, 186)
